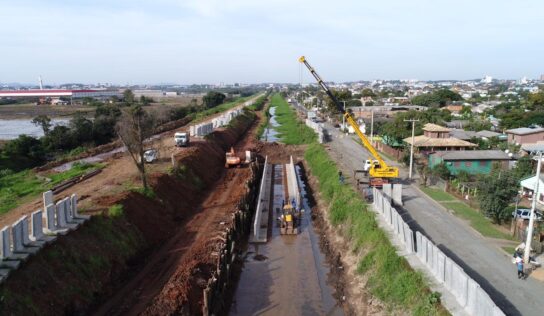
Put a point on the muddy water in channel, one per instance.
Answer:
(270, 134)
(288, 274)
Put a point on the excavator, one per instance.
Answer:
(289, 220)
(231, 159)
(378, 170)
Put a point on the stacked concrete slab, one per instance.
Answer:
(318, 129)
(27, 235)
(292, 184)
(466, 291)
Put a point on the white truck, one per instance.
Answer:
(181, 139)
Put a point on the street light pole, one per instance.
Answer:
(412, 146)
(532, 216)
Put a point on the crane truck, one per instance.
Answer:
(378, 170)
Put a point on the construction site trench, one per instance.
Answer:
(289, 274)
(184, 249)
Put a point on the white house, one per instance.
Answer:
(528, 187)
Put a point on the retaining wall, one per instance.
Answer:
(467, 292)
(261, 211)
(220, 285)
(28, 234)
(319, 129)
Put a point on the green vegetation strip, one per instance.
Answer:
(16, 188)
(477, 220)
(390, 277)
(437, 194)
(509, 249)
(220, 108)
(291, 130)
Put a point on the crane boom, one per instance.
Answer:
(382, 170)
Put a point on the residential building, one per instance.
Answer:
(525, 135)
(471, 161)
(437, 138)
(528, 188)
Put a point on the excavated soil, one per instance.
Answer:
(349, 285)
(144, 260)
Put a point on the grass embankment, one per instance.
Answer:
(69, 274)
(218, 109)
(265, 122)
(291, 130)
(476, 219)
(16, 188)
(390, 277)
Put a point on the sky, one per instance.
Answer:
(253, 41)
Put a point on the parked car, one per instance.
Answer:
(524, 213)
(151, 155)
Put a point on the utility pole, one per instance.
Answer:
(412, 146)
(532, 216)
(372, 127)
(343, 117)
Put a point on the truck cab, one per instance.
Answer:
(181, 139)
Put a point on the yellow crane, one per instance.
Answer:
(378, 169)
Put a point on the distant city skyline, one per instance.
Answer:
(242, 41)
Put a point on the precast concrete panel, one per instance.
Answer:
(435, 261)
(441, 265)
(424, 252)
(409, 238)
(419, 246)
(386, 188)
(472, 297)
(430, 248)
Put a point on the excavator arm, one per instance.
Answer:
(380, 171)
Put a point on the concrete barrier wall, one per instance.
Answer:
(261, 201)
(467, 292)
(319, 129)
(26, 236)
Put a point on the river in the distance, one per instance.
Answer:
(11, 129)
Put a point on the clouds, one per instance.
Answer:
(211, 41)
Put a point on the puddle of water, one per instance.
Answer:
(292, 280)
(11, 129)
(270, 134)
(92, 159)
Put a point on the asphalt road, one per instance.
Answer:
(478, 256)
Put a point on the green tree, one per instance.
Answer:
(44, 122)
(437, 98)
(478, 125)
(340, 95)
(523, 168)
(368, 93)
(495, 192)
(82, 128)
(442, 171)
(24, 151)
(128, 97)
(59, 138)
(213, 99)
(536, 100)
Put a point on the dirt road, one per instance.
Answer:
(119, 175)
(157, 287)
